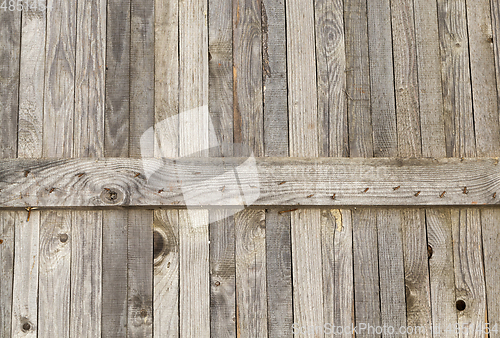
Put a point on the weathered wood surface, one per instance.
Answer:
(281, 181)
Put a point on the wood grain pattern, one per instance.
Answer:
(7, 245)
(469, 268)
(116, 124)
(274, 78)
(54, 290)
(358, 79)
(247, 78)
(251, 293)
(456, 83)
(365, 268)
(86, 274)
(381, 75)
(10, 43)
(320, 177)
(222, 274)
(482, 67)
(331, 77)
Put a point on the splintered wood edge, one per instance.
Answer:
(243, 182)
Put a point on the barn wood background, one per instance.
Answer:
(298, 78)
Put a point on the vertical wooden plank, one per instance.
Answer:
(279, 274)
(7, 221)
(54, 276)
(303, 133)
(405, 78)
(223, 275)
(366, 267)
(251, 293)
(55, 232)
(331, 77)
(86, 274)
(484, 84)
(274, 78)
(222, 232)
(247, 77)
(10, 43)
(194, 299)
(114, 273)
(391, 269)
(469, 270)
(117, 80)
(166, 231)
(88, 141)
(456, 83)
(140, 273)
(495, 39)
(116, 144)
(382, 99)
(140, 222)
(358, 79)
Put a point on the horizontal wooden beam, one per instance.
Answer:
(242, 182)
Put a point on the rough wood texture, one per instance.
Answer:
(484, 84)
(117, 78)
(455, 73)
(251, 293)
(86, 274)
(223, 274)
(10, 43)
(274, 78)
(366, 267)
(140, 273)
(7, 244)
(358, 79)
(381, 74)
(469, 268)
(247, 78)
(54, 290)
(331, 77)
(320, 177)
(391, 268)
(279, 273)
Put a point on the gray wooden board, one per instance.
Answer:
(7, 221)
(275, 181)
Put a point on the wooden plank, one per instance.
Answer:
(166, 231)
(247, 78)
(279, 273)
(348, 178)
(194, 309)
(358, 79)
(469, 270)
(54, 291)
(484, 84)
(441, 274)
(366, 267)
(381, 75)
(416, 269)
(10, 43)
(251, 293)
(274, 79)
(456, 83)
(86, 274)
(405, 78)
(25, 285)
(391, 269)
(495, 39)
(140, 273)
(166, 273)
(31, 81)
(116, 124)
(114, 273)
(331, 77)
(7, 244)
(223, 274)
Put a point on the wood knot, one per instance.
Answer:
(111, 196)
(63, 238)
(26, 327)
(461, 305)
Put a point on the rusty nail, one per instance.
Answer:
(366, 190)
(333, 196)
(495, 195)
(160, 191)
(282, 183)
(137, 174)
(417, 193)
(80, 174)
(442, 194)
(282, 212)
(26, 172)
(310, 196)
(51, 190)
(217, 283)
(396, 188)
(465, 190)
